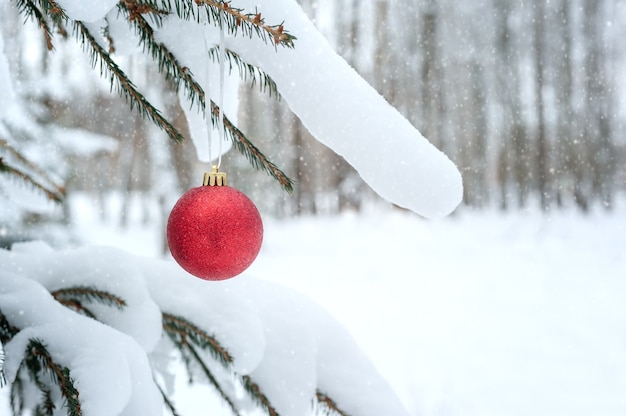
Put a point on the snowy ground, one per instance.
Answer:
(479, 314)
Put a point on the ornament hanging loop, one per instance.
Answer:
(222, 58)
(214, 178)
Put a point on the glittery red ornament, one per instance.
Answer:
(214, 231)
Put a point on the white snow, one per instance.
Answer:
(336, 105)
(110, 370)
(479, 314)
(191, 53)
(274, 334)
(345, 113)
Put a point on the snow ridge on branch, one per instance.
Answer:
(147, 16)
(130, 319)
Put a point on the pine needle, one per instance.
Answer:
(209, 375)
(48, 187)
(247, 72)
(328, 406)
(37, 359)
(185, 332)
(256, 158)
(120, 81)
(254, 391)
(77, 295)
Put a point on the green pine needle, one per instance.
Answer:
(186, 332)
(30, 10)
(256, 158)
(75, 298)
(38, 360)
(221, 14)
(327, 405)
(56, 195)
(209, 375)
(120, 81)
(254, 391)
(247, 72)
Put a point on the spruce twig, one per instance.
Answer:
(56, 195)
(57, 189)
(167, 63)
(122, 83)
(209, 375)
(56, 14)
(37, 359)
(221, 13)
(185, 335)
(328, 405)
(256, 158)
(246, 70)
(89, 294)
(254, 391)
(30, 9)
(75, 298)
(185, 332)
(168, 403)
(195, 94)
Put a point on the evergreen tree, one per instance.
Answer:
(64, 316)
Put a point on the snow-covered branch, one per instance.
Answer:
(242, 335)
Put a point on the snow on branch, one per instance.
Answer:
(146, 18)
(243, 336)
(173, 70)
(38, 360)
(327, 405)
(235, 19)
(76, 297)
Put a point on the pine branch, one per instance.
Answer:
(185, 332)
(257, 159)
(29, 9)
(56, 14)
(218, 12)
(195, 94)
(254, 391)
(57, 189)
(37, 359)
(328, 405)
(56, 195)
(80, 294)
(121, 82)
(209, 375)
(75, 297)
(184, 335)
(167, 62)
(246, 70)
(168, 403)
(233, 19)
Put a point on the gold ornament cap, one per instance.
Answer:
(214, 178)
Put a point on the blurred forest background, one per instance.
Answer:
(526, 97)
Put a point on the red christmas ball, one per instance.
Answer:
(214, 232)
